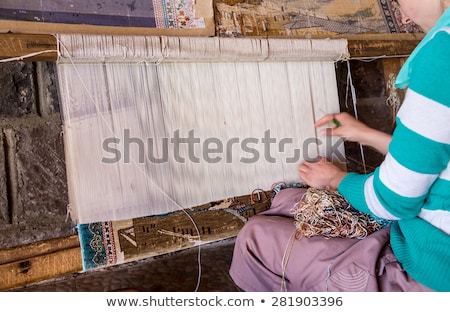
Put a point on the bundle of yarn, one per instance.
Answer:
(328, 213)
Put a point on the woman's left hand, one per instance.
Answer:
(321, 174)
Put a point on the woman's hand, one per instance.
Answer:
(321, 174)
(343, 125)
(349, 128)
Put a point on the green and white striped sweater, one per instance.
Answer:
(412, 185)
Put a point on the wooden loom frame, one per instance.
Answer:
(388, 45)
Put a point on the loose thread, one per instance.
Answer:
(327, 213)
(21, 58)
(285, 260)
(354, 100)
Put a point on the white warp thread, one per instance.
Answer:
(224, 91)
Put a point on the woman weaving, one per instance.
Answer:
(410, 189)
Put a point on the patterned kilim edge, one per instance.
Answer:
(389, 15)
(392, 16)
(105, 244)
(97, 243)
(175, 14)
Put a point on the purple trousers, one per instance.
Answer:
(268, 257)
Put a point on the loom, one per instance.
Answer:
(157, 124)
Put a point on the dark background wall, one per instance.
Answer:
(33, 188)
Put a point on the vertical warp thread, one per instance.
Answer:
(228, 101)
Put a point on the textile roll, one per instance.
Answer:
(158, 124)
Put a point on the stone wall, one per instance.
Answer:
(33, 187)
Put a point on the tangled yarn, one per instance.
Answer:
(327, 213)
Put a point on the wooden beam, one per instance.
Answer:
(40, 268)
(39, 261)
(21, 45)
(390, 45)
(35, 249)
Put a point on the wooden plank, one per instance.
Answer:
(39, 261)
(8, 255)
(40, 268)
(19, 45)
(393, 45)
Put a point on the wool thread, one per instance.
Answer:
(328, 213)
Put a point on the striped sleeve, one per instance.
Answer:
(420, 148)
